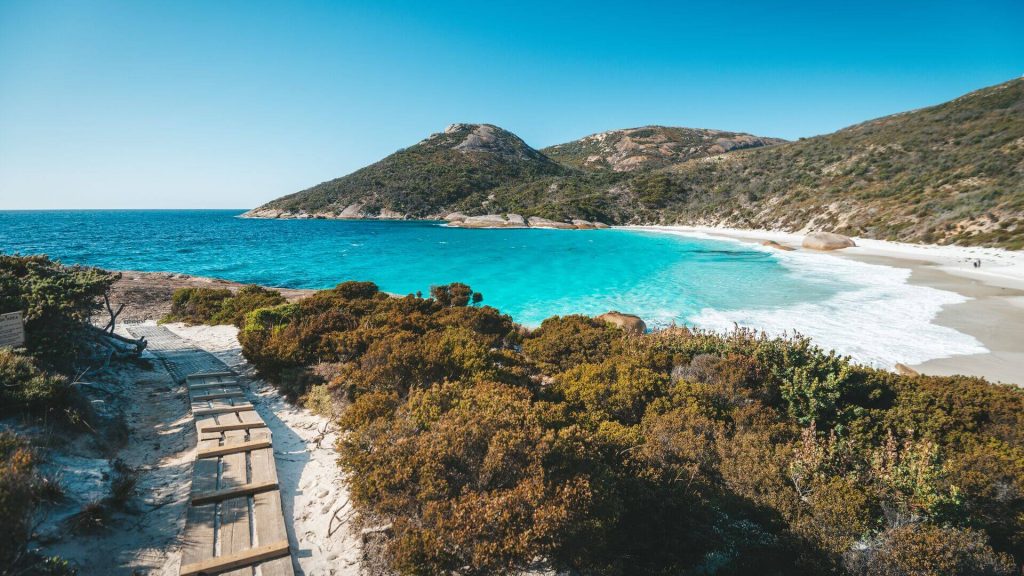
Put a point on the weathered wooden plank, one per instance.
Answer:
(199, 523)
(222, 410)
(245, 558)
(270, 528)
(200, 385)
(208, 375)
(218, 395)
(211, 428)
(233, 448)
(267, 510)
(235, 535)
(198, 499)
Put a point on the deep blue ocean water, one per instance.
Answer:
(531, 274)
(865, 310)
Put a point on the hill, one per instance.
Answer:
(650, 147)
(456, 166)
(951, 173)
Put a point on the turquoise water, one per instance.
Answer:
(530, 274)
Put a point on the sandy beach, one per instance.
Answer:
(993, 312)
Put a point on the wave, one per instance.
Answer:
(878, 319)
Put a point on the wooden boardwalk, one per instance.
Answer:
(234, 523)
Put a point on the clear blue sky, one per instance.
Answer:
(175, 103)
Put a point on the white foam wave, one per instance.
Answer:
(879, 320)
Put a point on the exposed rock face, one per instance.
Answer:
(455, 217)
(352, 211)
(628, 322)
(777, 246)
(650, 147)
(827, 241)
(386, 214)
(537, 222)
(488, 221)
(516, 219)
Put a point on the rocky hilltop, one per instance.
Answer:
(951, 173)
(447, 169)
(650, 147)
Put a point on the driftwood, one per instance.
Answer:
(120, 345)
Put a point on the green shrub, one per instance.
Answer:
(57, 301)
(576, 447)
(24, 388)
(21, 490)
(219, 305)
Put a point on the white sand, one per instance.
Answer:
(314, 493)
(1004, 268)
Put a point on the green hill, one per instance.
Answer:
(457, 166)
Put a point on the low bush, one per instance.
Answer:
(219, 305)
(57, 302)
(22, 488)
(577, 447)
(24, 388)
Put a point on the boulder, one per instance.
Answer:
(516, 220)
(628, 322)
(601, 225)
(455, 217)
(777, 246)
(583, 225)
(827, 241)
(537, 222)
(487, 221)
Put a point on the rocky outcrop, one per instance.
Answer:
(628, 322)
(777, 246)
(488, 221)
(455, 217)
(827, 241)
(538, 222)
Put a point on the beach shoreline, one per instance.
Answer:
(993, 312)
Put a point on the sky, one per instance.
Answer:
(229, 104)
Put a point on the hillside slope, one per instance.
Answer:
(952, 173)
(458, 165)
(649, 147)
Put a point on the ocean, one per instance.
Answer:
(864, 310)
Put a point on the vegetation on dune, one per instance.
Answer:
(57, 302)
(488, 449)
(219, 305)
(35, 386)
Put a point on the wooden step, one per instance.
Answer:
(205, 385)
(243, 490)
(218, 395)
(201, 375)
(241, 559)
(209, 428)
(233, 448)
(223, 410)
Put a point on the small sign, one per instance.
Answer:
(12, 330)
